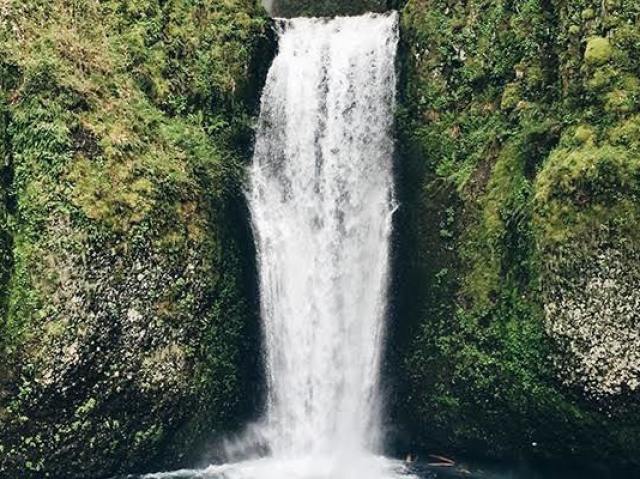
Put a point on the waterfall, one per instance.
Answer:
(321, 199)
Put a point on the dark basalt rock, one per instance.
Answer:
(324, 8)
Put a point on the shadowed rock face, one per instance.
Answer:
(323, 8)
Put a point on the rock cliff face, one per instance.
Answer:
(320, 8)
(517, 315)
(129, 332)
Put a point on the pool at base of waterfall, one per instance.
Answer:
(377, 467)
(335, 466)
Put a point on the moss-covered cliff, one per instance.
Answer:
(518, 327)
(128, 328)
(128, 331)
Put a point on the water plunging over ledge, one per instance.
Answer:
(321, 201)
(321, 198)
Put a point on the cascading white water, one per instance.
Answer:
(321, 198)
(321, 201)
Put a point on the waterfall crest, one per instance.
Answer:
(321, 199)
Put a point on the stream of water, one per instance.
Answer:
(321, 201)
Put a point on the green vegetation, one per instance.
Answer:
(127, 328)
(519, 138)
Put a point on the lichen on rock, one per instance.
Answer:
(593, 311)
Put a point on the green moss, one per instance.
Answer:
(620, 101)
(588, 14)
(602, 80)
(539, 141)
(598, 52)
(86, 408)
(510, 97)
(584, 134)
(580, 190)
(626, 134)
(128, 126)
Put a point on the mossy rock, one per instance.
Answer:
(128, 331)
(598, 52)
(545, 173)
(580, 189)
